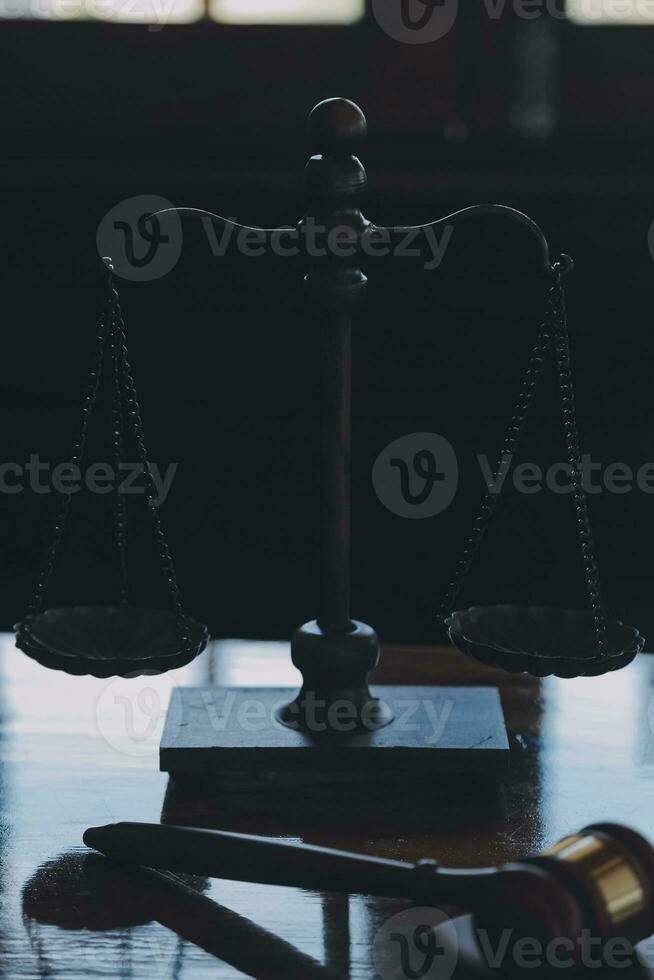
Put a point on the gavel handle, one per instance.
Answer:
(555, 896)
(243, 857)
(514, 889)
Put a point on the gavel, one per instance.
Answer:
(598, 882)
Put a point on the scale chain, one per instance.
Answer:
(571, 432)
(521, 409)
(88, 403)
(112, 328)
(118, 446)
(554, 328)
(134, 416)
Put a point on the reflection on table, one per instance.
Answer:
(79, 751)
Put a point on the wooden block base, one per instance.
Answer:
(211, 731)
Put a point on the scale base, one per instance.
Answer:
(211, 731)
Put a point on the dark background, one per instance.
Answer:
(554, 119)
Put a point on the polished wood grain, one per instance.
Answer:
(77, 752)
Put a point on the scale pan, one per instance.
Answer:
(110, 641)
(541, 640)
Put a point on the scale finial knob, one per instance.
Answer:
(337, 126)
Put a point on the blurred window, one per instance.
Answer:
(287, 11)
(164, 12)
(608, 12)
(119, 11)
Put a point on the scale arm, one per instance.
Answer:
(267, 233)
(397, 231)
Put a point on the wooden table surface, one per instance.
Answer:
(77, 752)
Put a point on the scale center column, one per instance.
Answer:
(334, 652)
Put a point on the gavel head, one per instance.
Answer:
(591, 889)
(611, 869)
